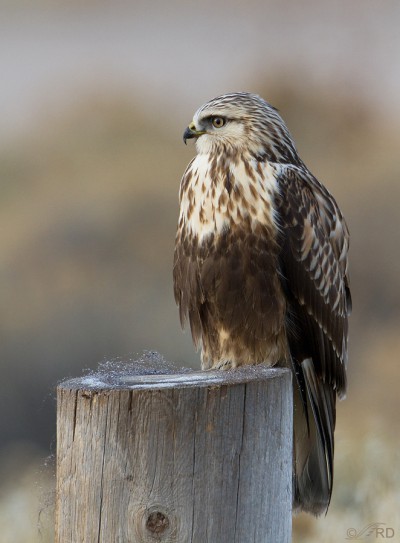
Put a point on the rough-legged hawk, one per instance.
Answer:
(260, 270)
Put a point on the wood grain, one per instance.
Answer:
(190, 458)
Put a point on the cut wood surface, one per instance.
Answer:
(201, 457)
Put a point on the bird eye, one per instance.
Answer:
(218, 122)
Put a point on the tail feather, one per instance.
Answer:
(314, 425)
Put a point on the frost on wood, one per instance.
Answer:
(150, 453)
(112, 373)
(151, 370)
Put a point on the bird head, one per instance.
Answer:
(240, 122)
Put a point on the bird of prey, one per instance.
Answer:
(260, 270)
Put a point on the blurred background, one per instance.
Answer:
(94, 98)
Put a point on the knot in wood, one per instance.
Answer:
(157, 522)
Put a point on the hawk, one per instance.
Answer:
(260, 270)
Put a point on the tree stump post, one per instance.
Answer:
(201, 457)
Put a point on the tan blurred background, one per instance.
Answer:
(94, 98)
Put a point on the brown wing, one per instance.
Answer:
(314, 242)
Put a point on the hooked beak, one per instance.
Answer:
(191, 132)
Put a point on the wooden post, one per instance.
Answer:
(202, 457)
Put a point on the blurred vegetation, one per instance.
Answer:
(88, 213)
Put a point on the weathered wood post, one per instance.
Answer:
(202, 457)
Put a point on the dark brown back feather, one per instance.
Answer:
(314, 241)
(314, 266)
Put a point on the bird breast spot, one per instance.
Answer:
(208, 207)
